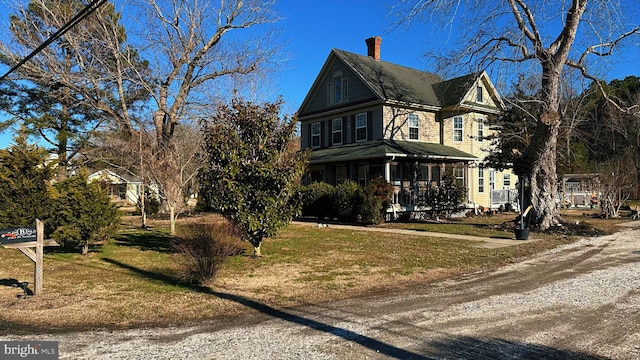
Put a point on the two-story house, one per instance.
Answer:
(365, 118)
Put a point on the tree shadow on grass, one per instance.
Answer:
(365, 341)
(146, 240)
(451, 347)
(22, 285)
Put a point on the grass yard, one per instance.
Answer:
(133, 281)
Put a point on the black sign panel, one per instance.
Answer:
(17, 235)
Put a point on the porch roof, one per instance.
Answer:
(389, 148)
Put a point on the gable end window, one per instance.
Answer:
(315, 135)
(337, 89)
(361, 127)
(457, 129)
(479, 94)
(480, 130)
(336, 128)
(413, 126)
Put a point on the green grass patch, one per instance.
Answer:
(133, 280)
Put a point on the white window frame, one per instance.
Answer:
(414, 124)
(359, 118)
(458, 130)
(506, 181)
(479, 94)
(480, 137)
(459, 174)
(336, 130)
(316, 132)
(480, 179)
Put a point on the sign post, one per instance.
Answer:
(24, 239)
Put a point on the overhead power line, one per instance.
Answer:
(86, 11)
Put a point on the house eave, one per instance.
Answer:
(339, 110)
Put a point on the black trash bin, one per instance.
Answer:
(522, 234)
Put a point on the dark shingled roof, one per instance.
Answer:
(451, 92)
(394, 82)
(387, 148)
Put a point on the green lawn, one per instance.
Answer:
(133, 281)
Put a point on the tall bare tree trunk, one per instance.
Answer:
(542, 171)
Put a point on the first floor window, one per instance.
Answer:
(336, 126)
(363, 174)
(361, 127)
(506, 181)
(457, 129)
(341, 173)
(459, 172)
(480, 180)
(435, 175)
(315, 135)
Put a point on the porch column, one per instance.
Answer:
(387, 171)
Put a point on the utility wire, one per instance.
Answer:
(86, 11)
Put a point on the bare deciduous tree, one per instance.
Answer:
(552, 35)
(191, 45)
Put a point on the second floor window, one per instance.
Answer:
(413, 126)
(361, 127)
(315, 135)
(480, 130)
(457, 129)
(336, 126)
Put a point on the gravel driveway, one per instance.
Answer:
(579, 301)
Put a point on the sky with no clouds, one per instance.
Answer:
(311, 28)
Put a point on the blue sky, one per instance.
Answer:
(312, 28)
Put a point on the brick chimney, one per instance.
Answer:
(373, 47)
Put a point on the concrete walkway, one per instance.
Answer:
(485, 242)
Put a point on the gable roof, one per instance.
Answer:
(109, 174)
(388, 148)
(392, 82)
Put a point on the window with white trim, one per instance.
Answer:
(336, 130)
(480, 179)
(480, 130)
(506, 181)
(413, 126)
(457, 129)
(315, 135)
(361, 127)
(459, 173)
(479, 91)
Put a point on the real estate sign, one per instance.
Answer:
(17, 235)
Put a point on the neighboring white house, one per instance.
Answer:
(120, 187)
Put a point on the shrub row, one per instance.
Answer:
(348, 201)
